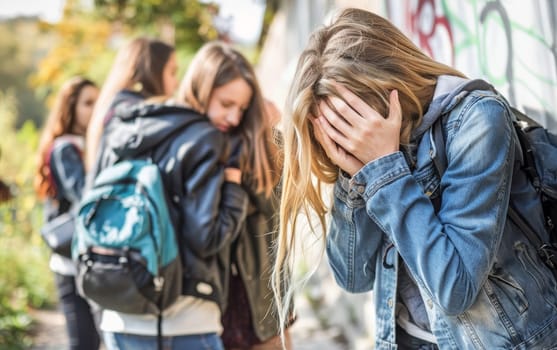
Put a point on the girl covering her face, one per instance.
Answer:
(447, 267)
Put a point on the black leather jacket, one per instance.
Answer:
(207, 212)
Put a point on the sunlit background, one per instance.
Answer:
(512, 43)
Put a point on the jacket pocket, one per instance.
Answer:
(503, 291)
(535, 269)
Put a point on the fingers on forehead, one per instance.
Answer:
(335, 104)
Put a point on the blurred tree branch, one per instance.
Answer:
(187, 21)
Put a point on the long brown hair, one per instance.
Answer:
(60, 121)
(215, 65)
(371, 57)
(139, 67)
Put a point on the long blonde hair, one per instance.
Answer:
(138, 66)
(215, 65)
(370, 56)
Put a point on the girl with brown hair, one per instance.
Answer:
(59, 182)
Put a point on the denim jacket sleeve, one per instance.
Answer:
(353, 240)
(66, 165)
(450, 253)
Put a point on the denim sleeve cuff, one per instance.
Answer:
(378, 173)
(345, 192)
(343, 181)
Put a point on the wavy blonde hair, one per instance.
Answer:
(215, 65)
(370, 56)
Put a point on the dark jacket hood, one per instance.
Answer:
(449, 91)
(138, 129)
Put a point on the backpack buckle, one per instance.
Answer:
(158, 281)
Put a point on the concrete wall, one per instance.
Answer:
(287, 37)
(511, 43)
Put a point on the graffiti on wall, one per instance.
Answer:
(511, 43)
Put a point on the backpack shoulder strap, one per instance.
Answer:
(440, 157)
(523, 125)
(546, 251)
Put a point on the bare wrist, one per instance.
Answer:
(233, 175)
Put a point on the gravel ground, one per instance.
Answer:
(50, 333)
(327, 319)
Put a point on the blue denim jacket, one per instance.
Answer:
(482, 283)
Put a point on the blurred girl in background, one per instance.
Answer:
(221, 83)
(143, 68)
(59, 182)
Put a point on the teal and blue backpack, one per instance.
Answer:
(125, 245)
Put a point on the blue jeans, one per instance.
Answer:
(123, 341)
(80, 321)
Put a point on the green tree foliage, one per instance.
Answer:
(79, 45)
(18, 59)
(25, 280)
(85, 41)
(185, 23)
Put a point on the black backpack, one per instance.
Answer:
(539, 149)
